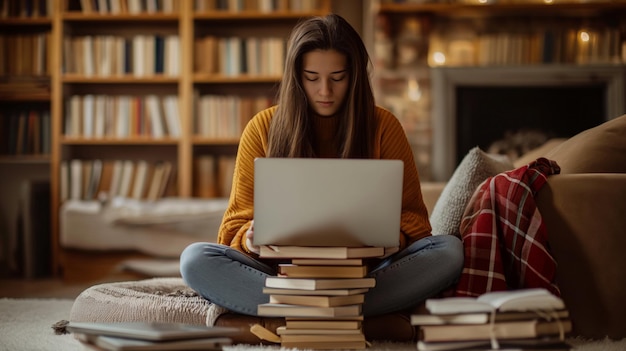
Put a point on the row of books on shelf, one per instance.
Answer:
(139, 55)
(320, 292)
(25, 8)
(106, 116)
(25, 132)
(520, 319)
(263, 6)
(213, 175)
(225, 116)
(233, 56)
(25, 54)
(95, 179)
(551, 46)
(134, 7)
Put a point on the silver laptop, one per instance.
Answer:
(327, 202)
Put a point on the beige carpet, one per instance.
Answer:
(26, 325)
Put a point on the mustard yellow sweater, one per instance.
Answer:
(390, 143)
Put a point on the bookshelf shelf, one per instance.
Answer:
(25, 159)
(254, 16)
(128, 79)
(30, 97)
(26, 22)
(221, 79)
(135, 18)
(515, 9)
(214, 141)
(119, 141)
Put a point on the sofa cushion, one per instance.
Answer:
(601, 149)
(538, 152)
(475, 167)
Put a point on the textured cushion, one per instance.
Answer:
(157, 300)
(601, 149)
(475, 167)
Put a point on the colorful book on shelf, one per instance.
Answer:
(334, 252)
(287, 310)
(304, 271)
(511, 300)
(321, 301)
(140, 181)
(317, 284)
(205, 177)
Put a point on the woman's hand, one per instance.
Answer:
(249, 236)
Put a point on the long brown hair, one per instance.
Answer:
(290, 132)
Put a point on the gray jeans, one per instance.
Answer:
(235, 281)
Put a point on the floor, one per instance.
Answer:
(40, 288)
(53, 287)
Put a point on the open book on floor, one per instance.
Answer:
(512, 300)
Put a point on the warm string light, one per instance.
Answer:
(439, 58)
(584, 36)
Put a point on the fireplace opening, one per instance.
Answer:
(522, 117)
(476, 106)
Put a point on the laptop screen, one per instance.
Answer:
(327, 202)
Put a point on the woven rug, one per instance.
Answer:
(27, 324)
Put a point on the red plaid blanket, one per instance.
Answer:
(504, 237)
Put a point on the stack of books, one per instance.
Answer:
(521, 319)
(320, 293)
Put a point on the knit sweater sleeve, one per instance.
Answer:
(392, 143)
(240, 211)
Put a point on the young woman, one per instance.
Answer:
(325, 109)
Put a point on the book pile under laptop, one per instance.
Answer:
(320, 293)
(526, 319)
(150, 336)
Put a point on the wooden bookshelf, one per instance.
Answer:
(91, 54)
(25, 81)
(408, 39)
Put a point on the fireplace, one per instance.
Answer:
(476, 106)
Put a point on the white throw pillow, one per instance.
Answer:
(475, 167)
